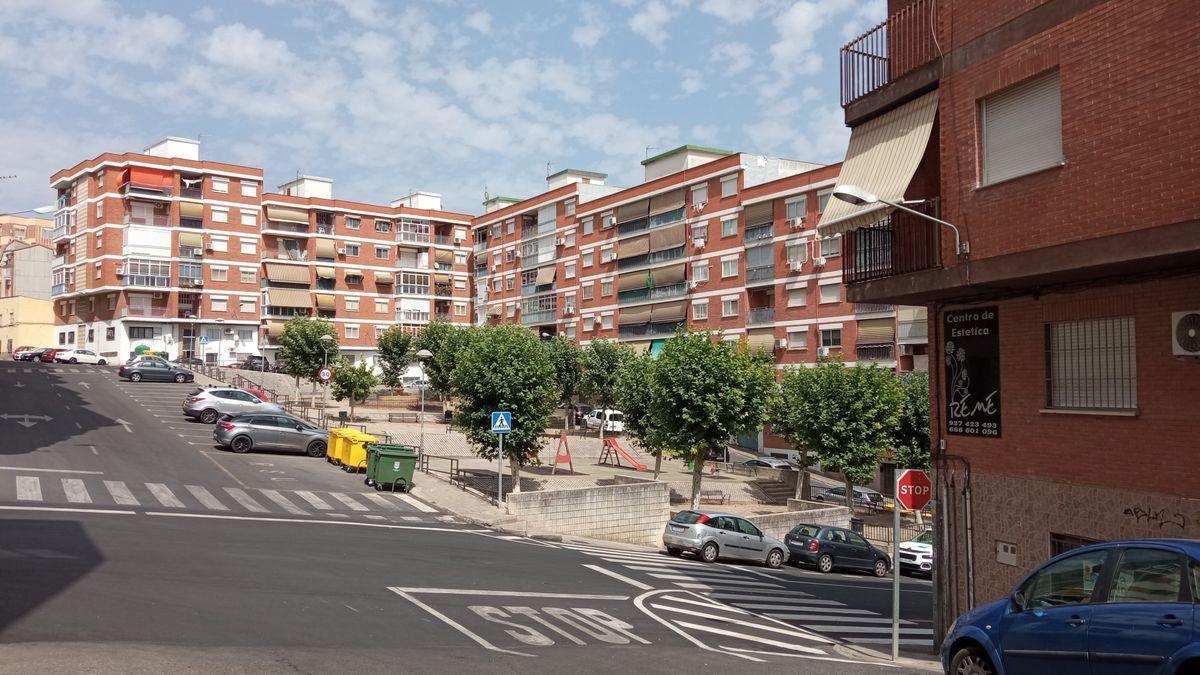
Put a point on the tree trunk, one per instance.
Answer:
(849, 492)
(603, 423)
(698, 460)
(802, 485)
(516, 474)
(657, 463)
(920, 519)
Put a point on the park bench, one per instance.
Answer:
(713, 497)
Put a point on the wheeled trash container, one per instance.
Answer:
(391, 467)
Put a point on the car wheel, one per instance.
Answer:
(709, 553)
(825, 563)
(775, 559)
(208, 416)
(241, 444)
(971, 661)
(181, 378)
(316, 449)
(102, 362)
(671, 550)
(73, 361)
(881, 568)
(135, 377)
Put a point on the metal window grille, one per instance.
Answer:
(1091, 364)
(1061, 543)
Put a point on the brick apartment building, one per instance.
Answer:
(1057, 136)
(31, 229)
(711, 240)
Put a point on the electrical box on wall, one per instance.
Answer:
(1006, 553)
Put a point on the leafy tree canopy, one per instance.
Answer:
(303, 350)
(395, 355)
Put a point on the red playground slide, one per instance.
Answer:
(614, 452)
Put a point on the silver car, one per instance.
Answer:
(713, 536)
(209, 405)
(256, 431)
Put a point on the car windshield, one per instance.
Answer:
(925, 537)
(686, 517)
(805, 531)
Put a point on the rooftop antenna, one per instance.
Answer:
(648, 149)
(486, 196)
(548, 165)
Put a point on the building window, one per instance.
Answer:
(606, 254)
(569, 270)
(351, 332)
(110, 333)
(220, 215)
(249, 189)
(353, 222)
(587, 226)
(352, 250)
(249, 246)
(699, 194)
(247, 275)
(831, 293)
(797, 339)
(797, 255)
(219, 244)
(588, 291)
(510, 226)
(589, 259)
(729, 226)
(219, 273)
(797, 207)
(1021, 129)
(100, 210)
(831, 337)
(831, 247)
(460, 309)
(1091, 364)
(510, 282)
(99, 238)
(588, 323)
(383, 225)
(606, 288)
(497, 283)
(1061, 543)
(219, 303)
(212, 334)
(700, 271)
(220, 184)
(729, 307)
(570, 332)
(382, 252)
(511, 310)
(496, 231)
(99, 267)
(99, 179)
(797, 297)
(569, 239)
(351, 303)
(823, 200)
(510, 255)
(729, 267)
(140, 333)
(569, 207)
(379, 331)
(249, 218)
(606, 321)
(607, 220)
(729, 185)
(700, 310)
(246, 306)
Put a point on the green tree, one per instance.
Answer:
(635, 395)
(395, 355)
(911, 448)
(566, 356)
(706, 391)
(443, 339)
(601, 361)
(505, 368)
(352, 383)
(303, 350)
(847, 416)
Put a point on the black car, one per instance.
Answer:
(34, 354)
(827, 548)
(155, 371)
(259, 363)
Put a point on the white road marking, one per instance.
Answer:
(380, 500)
(814, 605)
(164, 495)
(29, 489)
(411, 519)
(94, 450)
(620, 577)
(710, 605)
(456, 625)
(704, 578)
(847, 628)
(350, 503)
(60, 509)
(373, 516)
(30, 468)
(120, 493)
(282, 501)
(268, 519)
(246, 500)
(682, 568)
(314, 500)
(415, 503)
(874, 618)
(206, 498)
(755, 638)
(505, 594)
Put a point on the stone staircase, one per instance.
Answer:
(774, 491)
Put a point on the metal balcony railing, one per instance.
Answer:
(413, 289)
(761, 315)
(291, 254)
(143, 311)
(191, 192)
(759, 234)
(900, 243)
(889, 51)
(633, 226)
(410, 315)
(194, 223)
(59, 232)
(655, 293)
(873, 308)
(157, 220)
(58, 289)
(443, 291)
(58, 261)
(480, 246)
(912, 331)
(413, 237)
(649, 329)
(132, 189)
(280, 226)
(760, 273)
(875, 352)
(652, 258)
(324, 228)
(443, 240)
(146, 280)
(441, 316)
(534, 289)
(540, 316)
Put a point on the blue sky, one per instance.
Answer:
(449, 96)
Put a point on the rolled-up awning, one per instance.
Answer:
(669, 311)
(326, 248)
(633, 211)
(287, 274)
(353, 272)
(194, 239)
(630, 248)
(326, 273)
(671, 236)
(876, 331)
(633, 280)
(384, 277)
(443, 255)
(287, 215)
(667, 201)
(495, 310)
(632, 315)
(547, 214)
(275, 328)
(881, 158)
(288, 297)
(760, 213)
(638, 347)
(545, 275)
(191, 210)
(324, 301)
(143, 175)
(672, 274)
(761, 339)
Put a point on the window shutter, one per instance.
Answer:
(1022, 129)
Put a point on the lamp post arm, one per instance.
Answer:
(959, 246)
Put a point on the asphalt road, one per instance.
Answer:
(129, 544)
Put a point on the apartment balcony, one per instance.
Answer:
(761, 315)
(412, 289)
(443, 291)
(540, 316)
(156, 220)
(191, 281)
(285, 312)
(644, 330)
(443, 240)
(64, 201)
(760, 274)
(875, 352)
(148, 190)
(412, 237)
(652, 258)
(481, 270)
(759, 235)
(191, 192)
(862, 308)
(650, 294)
(480, 246)
(411, 315)
(631, 226)
(534, 289)
(146, 280)
(281, 226)
(912, 332)
(192, 223)
(188, 312)
(441, 316)
(291, 254)
(536, 258)
(439, 266)
(58, 261)
(58, 289)
(901, 243)
(59, 232)
(895, 48)
(152, 311)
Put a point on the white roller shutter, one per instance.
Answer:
(1022, 129)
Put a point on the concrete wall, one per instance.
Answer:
(814, 513)
(634, 513)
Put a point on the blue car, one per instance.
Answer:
(1127, 607)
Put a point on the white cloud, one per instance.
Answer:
(246, 49)
(733, 11)
(692, 82)
(705, 133)
(591, 28)
(650, 22)
(799, 127)
(480, 21)
(205, 14)
(737, 56)
(795, 52)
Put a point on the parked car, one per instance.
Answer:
(49, 355)
(80, 356)
(280, 365)
(208, 405)
(254, 431)
(916, 554)
(1116, 607)
(580, 411)
(254, 362)
(34, 354)
(138, 358)
(863, 497)
(828, 548)
(19, 353)
(713, 536)
(155, 370)
(769, 463)
(188, 361)
(613, 420)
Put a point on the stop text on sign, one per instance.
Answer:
(914, 489)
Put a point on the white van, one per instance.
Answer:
(613, 420)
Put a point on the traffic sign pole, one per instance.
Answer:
(896, 570)
(500, 473)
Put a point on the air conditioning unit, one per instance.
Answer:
(560, 241)
(781, 343)
(796, 265)
(796, 222)
(819, 261)
(693, 284)
(458, 241)
(1185, 333)
(157, 296)
(197, 282)
(568, 310)
(699, 206)
(229, 331)
(121, 271)
(698, 242)
(341, 251)
(823, 351)
(612, 220)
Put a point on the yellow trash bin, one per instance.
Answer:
(355, 457)
(338, 440)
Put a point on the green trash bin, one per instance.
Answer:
(391, 467)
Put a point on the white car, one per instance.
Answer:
(916, 556)
(613, 420)
(80, 356)
(769, 463)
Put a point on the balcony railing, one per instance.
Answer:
(649, 329)
(324, 228)
(873, 308)
(194, 223)
(758, 234)
(132, 189)
(58, 289)
(271, 310)
(443, 240)
(441, 316)
(655, 293)
(901, 243)
(413, 289)
(633, 226)
(280, 226)
(146, 280)
(413, 237)
(156, 220)
(760, 273)
(534, 289)
(439, 266)
(875, 352)
(652, 258)
(58, 261)
(540, 316)
(191, 192)
(889, 51)
(443, 291)
(191, 281)
(151, 311)
(480, 246)
(912, 331)
(762, 315)
(410, 315)
(291, 254)
(59, 232)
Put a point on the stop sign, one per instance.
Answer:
(913, 489)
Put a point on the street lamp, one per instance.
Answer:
(852, 194)
(422, 356)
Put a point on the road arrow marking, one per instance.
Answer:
(26, 420)
(125, 424)
(19, 385)
(85, 385)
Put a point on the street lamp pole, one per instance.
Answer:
(852, 194)
(422, 356)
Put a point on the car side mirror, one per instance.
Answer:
(1018, 600)
(299, 428)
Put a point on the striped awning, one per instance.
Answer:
(287, 274)
(275, 328)
(630, 248)
(191, 210)
(194, 239)
(288, 297)
(760, 213)
(384, 277)
(287, 215)
(545, 275)
(635, 315)
(324, 301)
(326, 248)
(761, 339)
(667, 201)
(633, 280)
(633, 211)
(669, 311)
(353, 272)
(876, 331)
(671, 236)
(672, 274)
(326, 273)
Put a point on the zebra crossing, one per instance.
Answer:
(92, 491)
(770, 596)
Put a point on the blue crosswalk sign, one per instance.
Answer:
(501, 422)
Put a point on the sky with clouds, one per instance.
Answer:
(449, 96)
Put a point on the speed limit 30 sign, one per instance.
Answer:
(325, 374)
(914, 489)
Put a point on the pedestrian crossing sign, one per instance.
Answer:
(501, 422)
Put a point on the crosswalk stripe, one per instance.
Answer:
(758, 638)
(380, 500)
(683, 566)
(710, 579)
(411, 519)
(120, 493)
(315, 501)
(76, 491)
(164, 495)
(875, 618)
(814, 605)
(783, 596)
(282, 501)
(350, 503)
(846, 628)
(206, 498)
(245, 500)
(29, 489)
(887, 641)
(415, 503)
